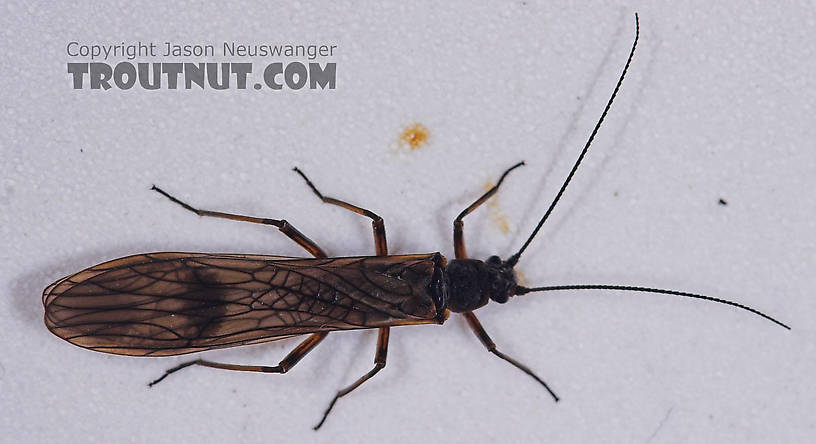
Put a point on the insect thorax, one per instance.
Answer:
(472, 283)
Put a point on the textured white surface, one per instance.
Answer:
(719, 103)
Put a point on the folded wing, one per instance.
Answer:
(164, 304)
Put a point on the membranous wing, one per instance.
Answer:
(164, 304)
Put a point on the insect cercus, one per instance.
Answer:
(164, 304)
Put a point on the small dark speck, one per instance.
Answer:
(81, 150)
(723, 202)
(615, 194)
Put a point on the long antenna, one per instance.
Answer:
(524, 290)
(512, 260)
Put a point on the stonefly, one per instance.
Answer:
(164, 304)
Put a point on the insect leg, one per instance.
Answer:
(282, 225)
(284, 366)
(480, 332)
(458, 225)
(377, 223)
(379, 364)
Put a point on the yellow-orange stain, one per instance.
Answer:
(496, 215)
(415, 136)
(520, 278)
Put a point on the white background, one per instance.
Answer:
(719, 103)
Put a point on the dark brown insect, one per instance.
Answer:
(164, 304)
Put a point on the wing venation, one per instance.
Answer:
(161, 304)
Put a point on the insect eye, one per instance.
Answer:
(494, 260)
(499, 289)
(500, 294)
(501, 298)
